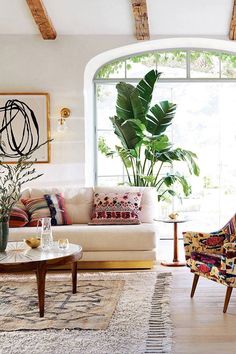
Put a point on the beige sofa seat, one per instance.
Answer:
(99, 238)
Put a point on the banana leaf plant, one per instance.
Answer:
(144, 147)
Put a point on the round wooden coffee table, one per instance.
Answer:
(18, 257)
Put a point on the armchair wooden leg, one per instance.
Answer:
(195, 281)
(227, 298)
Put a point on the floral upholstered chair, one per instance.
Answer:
(213, 256)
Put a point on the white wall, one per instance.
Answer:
(30, 64)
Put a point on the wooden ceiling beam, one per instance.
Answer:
(232, 30)
(141, 19)
(42, 19)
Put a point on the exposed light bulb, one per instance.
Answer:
(62, 126)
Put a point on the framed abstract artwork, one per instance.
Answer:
(24, 126)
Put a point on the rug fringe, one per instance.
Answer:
(160, 333)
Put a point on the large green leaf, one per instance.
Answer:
(130, 119)
(137, 107)
(126, 132)
(160, 143)
(181, 155)
(156, 147)
(140, 127)
(145, 88)
(124, 108)
(170, 179)
(161, 117)
(124, 155)
(189, 157)
(129, 104)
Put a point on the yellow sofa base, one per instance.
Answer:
(112, 265)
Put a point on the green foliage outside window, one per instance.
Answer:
(201, 61)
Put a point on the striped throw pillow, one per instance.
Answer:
(50, 205)
(18, 216)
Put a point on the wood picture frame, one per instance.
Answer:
(24, 124)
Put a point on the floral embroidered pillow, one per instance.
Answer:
(116, 208)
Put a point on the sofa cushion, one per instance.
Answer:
(78, 201)
(148, 201)
(37, 209)
(116, 208)
(18, 216)
(99, 237)
(25, 193)
(50, 205)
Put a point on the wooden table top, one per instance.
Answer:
(19, 252)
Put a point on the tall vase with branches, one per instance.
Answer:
(144, 146)
(12, 178)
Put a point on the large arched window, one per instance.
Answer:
(203, 85)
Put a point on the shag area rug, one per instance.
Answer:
(90, 308)
(140, 324)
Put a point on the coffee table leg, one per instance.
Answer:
(41, 275)
(74, 277)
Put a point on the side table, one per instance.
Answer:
(175, 262)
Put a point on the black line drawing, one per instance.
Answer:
(29, 142)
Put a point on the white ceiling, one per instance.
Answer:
(114, 17)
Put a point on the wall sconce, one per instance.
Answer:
(65, 113)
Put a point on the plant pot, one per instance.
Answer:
(4, 232)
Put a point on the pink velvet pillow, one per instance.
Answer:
(116, 208)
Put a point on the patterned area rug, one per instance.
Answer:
(140, 324)
(90, 308)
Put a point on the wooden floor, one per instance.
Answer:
(200, 327)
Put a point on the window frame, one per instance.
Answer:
(188, 78)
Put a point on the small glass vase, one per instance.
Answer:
(4, 232)
(46, 233)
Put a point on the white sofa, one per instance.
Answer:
(104, 246)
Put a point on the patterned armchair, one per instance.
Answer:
(213, 256)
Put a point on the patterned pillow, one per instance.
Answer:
(52, 206)
(18, 216)
(115, 208)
